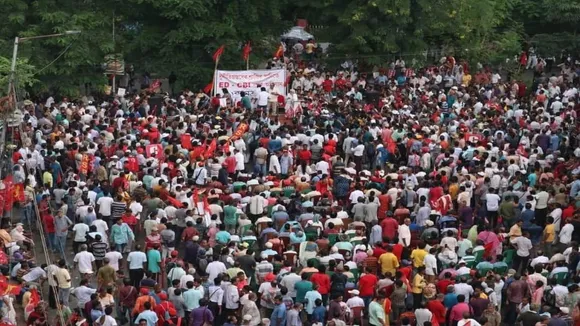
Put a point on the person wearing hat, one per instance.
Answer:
(165, 309)
(144, 297)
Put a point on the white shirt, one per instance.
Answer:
(34, 275)
(542, 200)
(105, 205)
(430, 264)
(355, 302)
(136, 259)
(83, 294)
(404, 233)
(450, 242)
(492, 202)
(136, 209)
(465, 289)
(471, 322)
(540, 260)
(50, 272)
(102, 228)
(355, 195)
(213, 269)
(323, 166)
(114, 257)
(109, 321)
(523, 245)
(566, 233)
(358, 150)
(80, 230)
(263, 98)
(289, 280)
(85, 260)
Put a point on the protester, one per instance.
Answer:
(384, 194)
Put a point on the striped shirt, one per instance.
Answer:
(117, 209)
(99, 249)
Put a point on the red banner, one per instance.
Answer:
(242, 128)
(157, 150)
(132, 164)
(186, 141)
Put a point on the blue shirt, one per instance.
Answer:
(149, 316)
(319, 313)
(450, 300)
(532, 178)
(153, 260)
(223, 237)
(278, 313)
(191, 299)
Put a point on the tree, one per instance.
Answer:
(380, 30)
(25, 74)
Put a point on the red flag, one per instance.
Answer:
(206, 205)
(218, 53)
(246, 51)
(208, 87)
(211, 148)
(195, 197)
(155, 85)
(280, 52)
(174, 202)
(186, 141)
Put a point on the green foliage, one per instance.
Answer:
(24, 74)
(160, 36)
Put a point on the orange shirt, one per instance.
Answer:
(141, 301)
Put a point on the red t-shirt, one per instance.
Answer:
(438, 310)
(398, 250)
(378, 251)
(323, 282)
(189, 233)
(48, 221)
(130, 219)
(366, 285)
(327, 85)
(443, 284)
(568, 212)
(406, 271)
(390, 227)
(304, 155)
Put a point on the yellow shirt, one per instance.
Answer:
(454, 191)
(466, 79)
(47, 178)
(515, 231)
(550, 233)
(389, 263)
(418, 284)
(418, 256)
(63, 278)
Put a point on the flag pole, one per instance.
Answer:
(213, 78)
(248, 63)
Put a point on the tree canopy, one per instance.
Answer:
(162, 36)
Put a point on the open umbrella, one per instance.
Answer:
(297, 33)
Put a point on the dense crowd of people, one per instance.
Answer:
(434, 196)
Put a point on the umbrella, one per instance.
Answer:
(307, 204)
(313, 194)
(297, 33)
(350, 170)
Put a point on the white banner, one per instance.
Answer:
(248, 80)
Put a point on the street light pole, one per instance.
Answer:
(17, 41)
